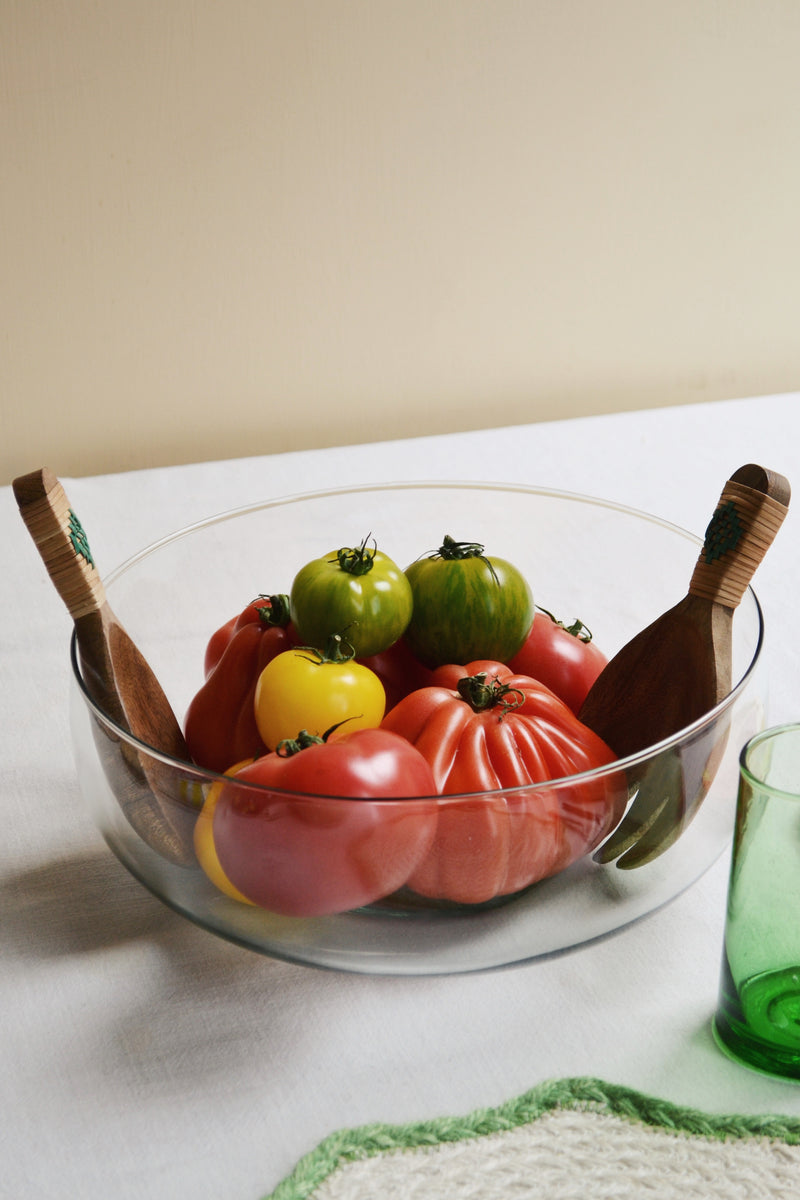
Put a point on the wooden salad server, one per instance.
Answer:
(679, 668)
(117, 676)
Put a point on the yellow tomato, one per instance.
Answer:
(204, 846)
(306, 689)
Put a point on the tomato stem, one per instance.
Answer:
(291, 746)
(337, 650)
(582, 632)
(453, 551)
(482, 695)
(275, 611)
(357, 560)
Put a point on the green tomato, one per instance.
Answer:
(467, 606)
(356, 592)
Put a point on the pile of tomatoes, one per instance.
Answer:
(344, 715)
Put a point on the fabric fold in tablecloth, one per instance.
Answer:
(563, 1140)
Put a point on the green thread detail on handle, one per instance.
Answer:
(575, 1095)
(724, 532)
(80, 543)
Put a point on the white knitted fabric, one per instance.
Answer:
(576, 1156)
(567, 1139)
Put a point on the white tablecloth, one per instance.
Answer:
(144, 1058)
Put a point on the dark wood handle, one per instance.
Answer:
(762, 480)
(61, 541)
(751, 510)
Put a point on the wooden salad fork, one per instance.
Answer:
(679, 668)
(117, 676)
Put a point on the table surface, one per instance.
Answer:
(142, 1057)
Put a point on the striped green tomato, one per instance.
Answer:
(357, 592)
(467, 605)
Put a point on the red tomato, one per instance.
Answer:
(329, 837)
(563, 657)
(483, 728)
(220, 725)
(399, 671)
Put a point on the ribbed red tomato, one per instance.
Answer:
(482, 728)
(220, 724)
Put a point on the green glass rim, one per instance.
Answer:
(758, 740)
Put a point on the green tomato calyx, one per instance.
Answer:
(337, 650)
(357, 560)
(482, 693)
(274, 612)
(453, 551)
(288, 747)
(582, 632)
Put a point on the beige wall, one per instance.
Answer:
(246, 226)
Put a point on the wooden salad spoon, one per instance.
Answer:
(117, 676)
(679, 668)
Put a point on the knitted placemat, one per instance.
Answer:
(567, 1139)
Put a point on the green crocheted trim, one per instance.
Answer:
(367, 1141)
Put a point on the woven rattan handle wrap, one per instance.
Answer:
(749, 514)
(60, 540)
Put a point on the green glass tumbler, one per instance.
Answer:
(757, 1021)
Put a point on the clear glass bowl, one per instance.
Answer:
(614, 567)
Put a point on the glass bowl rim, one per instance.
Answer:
(619, 764)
